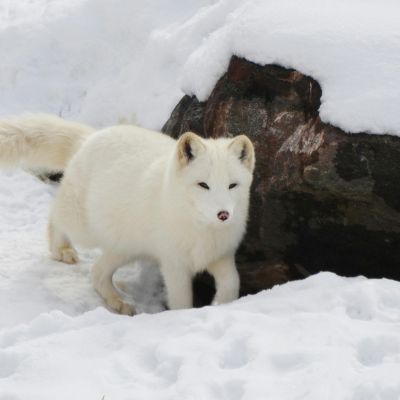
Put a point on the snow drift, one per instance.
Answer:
(104, 62)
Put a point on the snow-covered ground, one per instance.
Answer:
(325, 337)
(105, 61)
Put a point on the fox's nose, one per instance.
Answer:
(223, 215)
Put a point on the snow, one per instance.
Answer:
(326, 336)
(323, 337)
(104, 62)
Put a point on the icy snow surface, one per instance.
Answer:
(326, 337)
(105, 61)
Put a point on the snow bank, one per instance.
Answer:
(104, 62)
(325, 337)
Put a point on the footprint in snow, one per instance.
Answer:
(289, 361)
(360, 305)
(236, 355)
(232, 389)
(372, 351)
(376, 391)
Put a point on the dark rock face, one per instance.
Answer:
(321, 199)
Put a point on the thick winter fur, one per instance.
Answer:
(40, 141)
(135, 194)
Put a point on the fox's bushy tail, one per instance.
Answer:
(40, 141)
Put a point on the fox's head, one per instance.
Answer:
(215, 175)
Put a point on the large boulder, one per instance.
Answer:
(322, 199)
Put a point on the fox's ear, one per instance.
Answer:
(242, 147)
(189, 147)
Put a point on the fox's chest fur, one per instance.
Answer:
(198, 248)
(210, 248)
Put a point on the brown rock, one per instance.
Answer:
(322, 199)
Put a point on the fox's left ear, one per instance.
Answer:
(189, 147)
(242, 147)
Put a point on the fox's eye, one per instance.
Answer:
(204, 185)
(232, 185)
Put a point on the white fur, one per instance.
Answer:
(134, 193)
(40, 140)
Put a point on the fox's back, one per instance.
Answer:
(118, 174)
(124, 143)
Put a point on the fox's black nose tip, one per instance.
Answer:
(223, 215)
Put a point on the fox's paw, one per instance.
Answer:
(66, 255)
(118, 305)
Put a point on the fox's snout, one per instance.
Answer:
(223, 215)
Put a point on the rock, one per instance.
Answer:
(322, 199)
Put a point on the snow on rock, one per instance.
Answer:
(105, 62)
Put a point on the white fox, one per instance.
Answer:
(139, 194)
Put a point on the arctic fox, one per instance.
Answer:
(139, 194)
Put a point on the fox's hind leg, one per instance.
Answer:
(102, 273)
(60, 246)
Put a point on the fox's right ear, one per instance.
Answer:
(188, 148)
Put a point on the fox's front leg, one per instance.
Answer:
(178, 282)
(227, 280)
